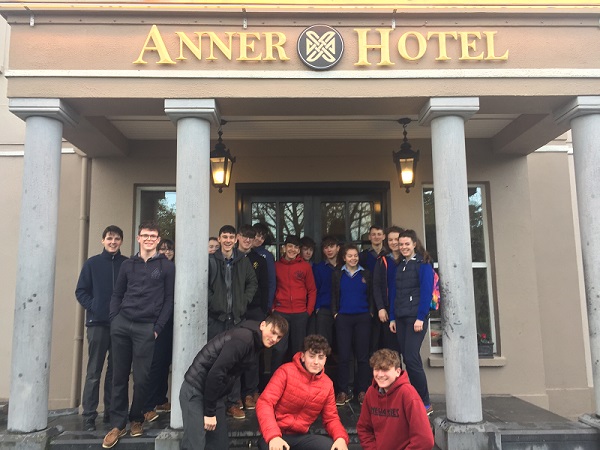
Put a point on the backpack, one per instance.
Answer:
(435, 295)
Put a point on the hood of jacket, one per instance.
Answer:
(288, 262)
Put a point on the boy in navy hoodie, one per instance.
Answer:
(140, 307)
(94, 288)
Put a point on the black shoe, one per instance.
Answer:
(89, 424)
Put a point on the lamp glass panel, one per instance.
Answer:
(406, 171)
(217, 169)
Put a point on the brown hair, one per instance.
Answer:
(385, 359)
(316, 344)
(278, 322)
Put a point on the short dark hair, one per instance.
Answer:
(316, 344)
(385, 359)
(263, 230)
(375, 227)
(278, 322)
(394, 229)
(292, 239)
(168, 243)
(347, 247)
(329, 240)
(247, 231)
(149, 225)
(112, 229)
(307, 241)
(227, 229)
(213, 238)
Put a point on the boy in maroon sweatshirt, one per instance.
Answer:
(392, 415)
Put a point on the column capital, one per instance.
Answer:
(464, 107)
(579, 106)
(201, 108)
(53, 108)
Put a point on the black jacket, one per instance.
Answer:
(144, 291)
(261, 297)
(95, 286)
(222, 360)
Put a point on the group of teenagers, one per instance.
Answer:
(372, 299)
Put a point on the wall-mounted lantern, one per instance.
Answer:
(406, 160)
(221, 163)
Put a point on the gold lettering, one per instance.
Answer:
(216, 40)
(384, 34)
(248, 44)
(420, 41)
(491, 53)
(442, 35)
(183, 39)
(465, 45)
(159, 47)
(269, 46)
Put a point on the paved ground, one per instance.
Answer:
(516, 419)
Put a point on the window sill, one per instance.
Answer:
(437, 360)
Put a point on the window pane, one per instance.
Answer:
(361, 218)
(476, 216)
(429, 212)
(482, 302)
(333, 220)
(159, 206)
(265, 212)
(292, 219)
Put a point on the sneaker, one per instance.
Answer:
(150, 416)
(164, 408)
(236, 412)
(136, 429)
(342, 398)
(428, 409)
(250, 401)
(111, 439)
(361, 398)
(89, 424)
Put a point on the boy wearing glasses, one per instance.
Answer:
(140, 307)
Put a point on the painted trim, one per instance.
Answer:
(296, 74)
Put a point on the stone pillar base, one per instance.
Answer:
(38, 440)
(456, 436)
(168, 440)
(591, 419)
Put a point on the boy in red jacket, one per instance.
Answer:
(297, 393)
(295, 298)
(392, 415)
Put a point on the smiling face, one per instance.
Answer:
(148, 240)
(291, 251)
(314, 362)
(393, 240)
(112, 242)
(213, 246)
(270, 334)
(244, 243)
(386, 377)
(351, 259)
(407, 247)
(227, 241)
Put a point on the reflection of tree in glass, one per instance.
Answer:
(265, 213)
(476, 217)
(333, 220)
(293, 219)
(361, 218)
(165, 217)
(429, 212)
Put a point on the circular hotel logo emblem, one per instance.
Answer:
(320, 47)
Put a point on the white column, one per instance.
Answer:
(461, 362)
(584, 116)
(193, 118)
(34, 297)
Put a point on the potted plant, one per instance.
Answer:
(485, 346)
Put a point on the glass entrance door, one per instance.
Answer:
(315, 210)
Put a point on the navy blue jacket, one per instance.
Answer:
(95, 286)
(144, 291)
(413, 289)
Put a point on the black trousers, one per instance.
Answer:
(98, 347)
(294, 339)
(158, 378)
(132, 344)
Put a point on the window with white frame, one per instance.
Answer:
(157, 203)
(480, 255)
